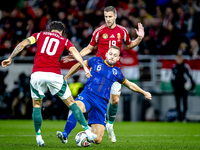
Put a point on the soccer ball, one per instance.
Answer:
(81, 139)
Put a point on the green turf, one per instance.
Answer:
(19, 134)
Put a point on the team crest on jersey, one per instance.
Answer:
(114, 71)
(80, 97)
(105, 35)
(118, 36)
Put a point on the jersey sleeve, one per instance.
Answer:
(127, 39)
(121, 78)
(35, 35)
(68, 44)
(94, 39)
(91, 61)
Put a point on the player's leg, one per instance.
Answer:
(78, 114)
(84, 106)
(98, 129)
(37, 120)
(38, 87)
(112, 109)
(70, 124)
(97, 117)
(57, 85)
(185, 105)
(177, 98)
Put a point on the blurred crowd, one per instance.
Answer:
(171, 26)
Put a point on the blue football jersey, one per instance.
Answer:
(103, 76)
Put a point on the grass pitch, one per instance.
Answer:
(20, 134)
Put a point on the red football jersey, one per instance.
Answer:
(50, 46)
(106, 37)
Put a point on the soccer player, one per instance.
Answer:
(105, 36)
(46, 73)
(96, 93)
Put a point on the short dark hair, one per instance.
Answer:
(110, 8)
(115, 47)
(57, 25)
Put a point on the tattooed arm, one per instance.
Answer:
(17, 49)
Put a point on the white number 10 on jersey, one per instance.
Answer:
(51, 53)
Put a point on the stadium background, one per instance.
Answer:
(171, 27)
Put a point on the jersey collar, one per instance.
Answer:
(107, 64)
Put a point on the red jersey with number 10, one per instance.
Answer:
(50, 46)
(106, 37)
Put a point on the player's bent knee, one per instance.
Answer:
(69, 101)
(115, 101)
(98, 140)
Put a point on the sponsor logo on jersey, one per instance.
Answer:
(118, 36)
(112, 36)
(105, 36)
(114, 71)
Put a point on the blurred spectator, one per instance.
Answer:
(189, 4)
(73, 8)
(85, 38)
(183, 49)
(168, 18)
(194, 48)
(179, 19)
(29, 28)
(19, 31)
(27, 10)
(159, 13)
(41, 20)
(133, 36)
(144, 14)
(147, 39)
(174, 4)
(6, 48)
(21, 100)
(191, 24)
(4, 100)
(182, 82)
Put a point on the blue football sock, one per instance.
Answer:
(70, 124)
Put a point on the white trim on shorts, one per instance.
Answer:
(55, 83)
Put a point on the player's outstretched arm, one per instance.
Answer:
(140, 33)
(132, 86)
(87, 50)
(17, 49)
(78, 57)
(73, 70)
(84, 52)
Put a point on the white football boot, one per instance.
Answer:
(39, 140)
(111, 133)
(61, 137)
(90, 136)
(90, 128)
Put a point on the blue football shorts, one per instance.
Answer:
(95, 105)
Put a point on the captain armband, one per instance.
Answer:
(31, 39)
